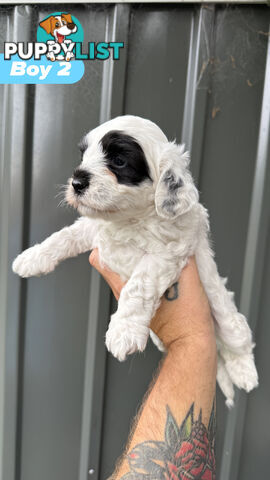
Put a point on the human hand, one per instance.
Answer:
(184, 314)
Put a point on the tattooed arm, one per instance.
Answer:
(173, 435)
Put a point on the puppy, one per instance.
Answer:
(139, 206)
(59, 27)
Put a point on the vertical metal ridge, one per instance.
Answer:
(192, 75)
(108, 67)
(4, 231)
(197, 83)
(99, 302)
(99, 307)
(112, 91)
(14, 157)
(27, 181)
(252, 277)
(5, 175)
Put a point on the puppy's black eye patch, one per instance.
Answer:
(83, 145)
(125, 158)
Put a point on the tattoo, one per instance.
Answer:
(172, 292)
(187, 452)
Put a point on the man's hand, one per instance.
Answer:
(184, 314)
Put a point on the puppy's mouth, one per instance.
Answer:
(92, 208)
(60, 38)
(77, 201)
(94, 211)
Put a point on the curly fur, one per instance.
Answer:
(146, 233)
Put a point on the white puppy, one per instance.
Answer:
(141, 209)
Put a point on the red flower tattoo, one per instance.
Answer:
(187, 453)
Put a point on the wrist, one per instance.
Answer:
(202, 346)
(184, 330)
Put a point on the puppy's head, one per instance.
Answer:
(129, 168)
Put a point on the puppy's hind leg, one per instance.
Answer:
(231, 326)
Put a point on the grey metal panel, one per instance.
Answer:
(197, 82)
(126, 384)
(94, 378)
(198, 85)
(252, 274)
(16, 122)
(231, 130)
(254, 459)
(157, 65)
(57, 305)
(230, 144)
(251, 443)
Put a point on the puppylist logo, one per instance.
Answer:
(53, 32)
(57, 56)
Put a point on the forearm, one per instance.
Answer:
(186, 381)
(174, 433)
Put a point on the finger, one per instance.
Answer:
(112, 278)
(94, 258)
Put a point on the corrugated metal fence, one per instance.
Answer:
(203, 74)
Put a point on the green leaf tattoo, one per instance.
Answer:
(171, 430)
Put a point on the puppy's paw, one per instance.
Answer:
(32, 262)
(225, 382)
(124, 337)
(235, 333)
(242, 370)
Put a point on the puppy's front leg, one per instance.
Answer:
(68, 242)
(129, 327)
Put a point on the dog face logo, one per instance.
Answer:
(59, 26)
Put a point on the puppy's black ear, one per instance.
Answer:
(175, 193)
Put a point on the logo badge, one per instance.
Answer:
(57, 56)
(60, 31)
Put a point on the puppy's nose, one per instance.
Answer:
(71, 26)
(80, 180)
(79, 184)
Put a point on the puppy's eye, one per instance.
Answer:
(64, 22)
(57, 24)
(119, 162)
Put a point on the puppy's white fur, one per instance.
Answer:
(146, 234)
